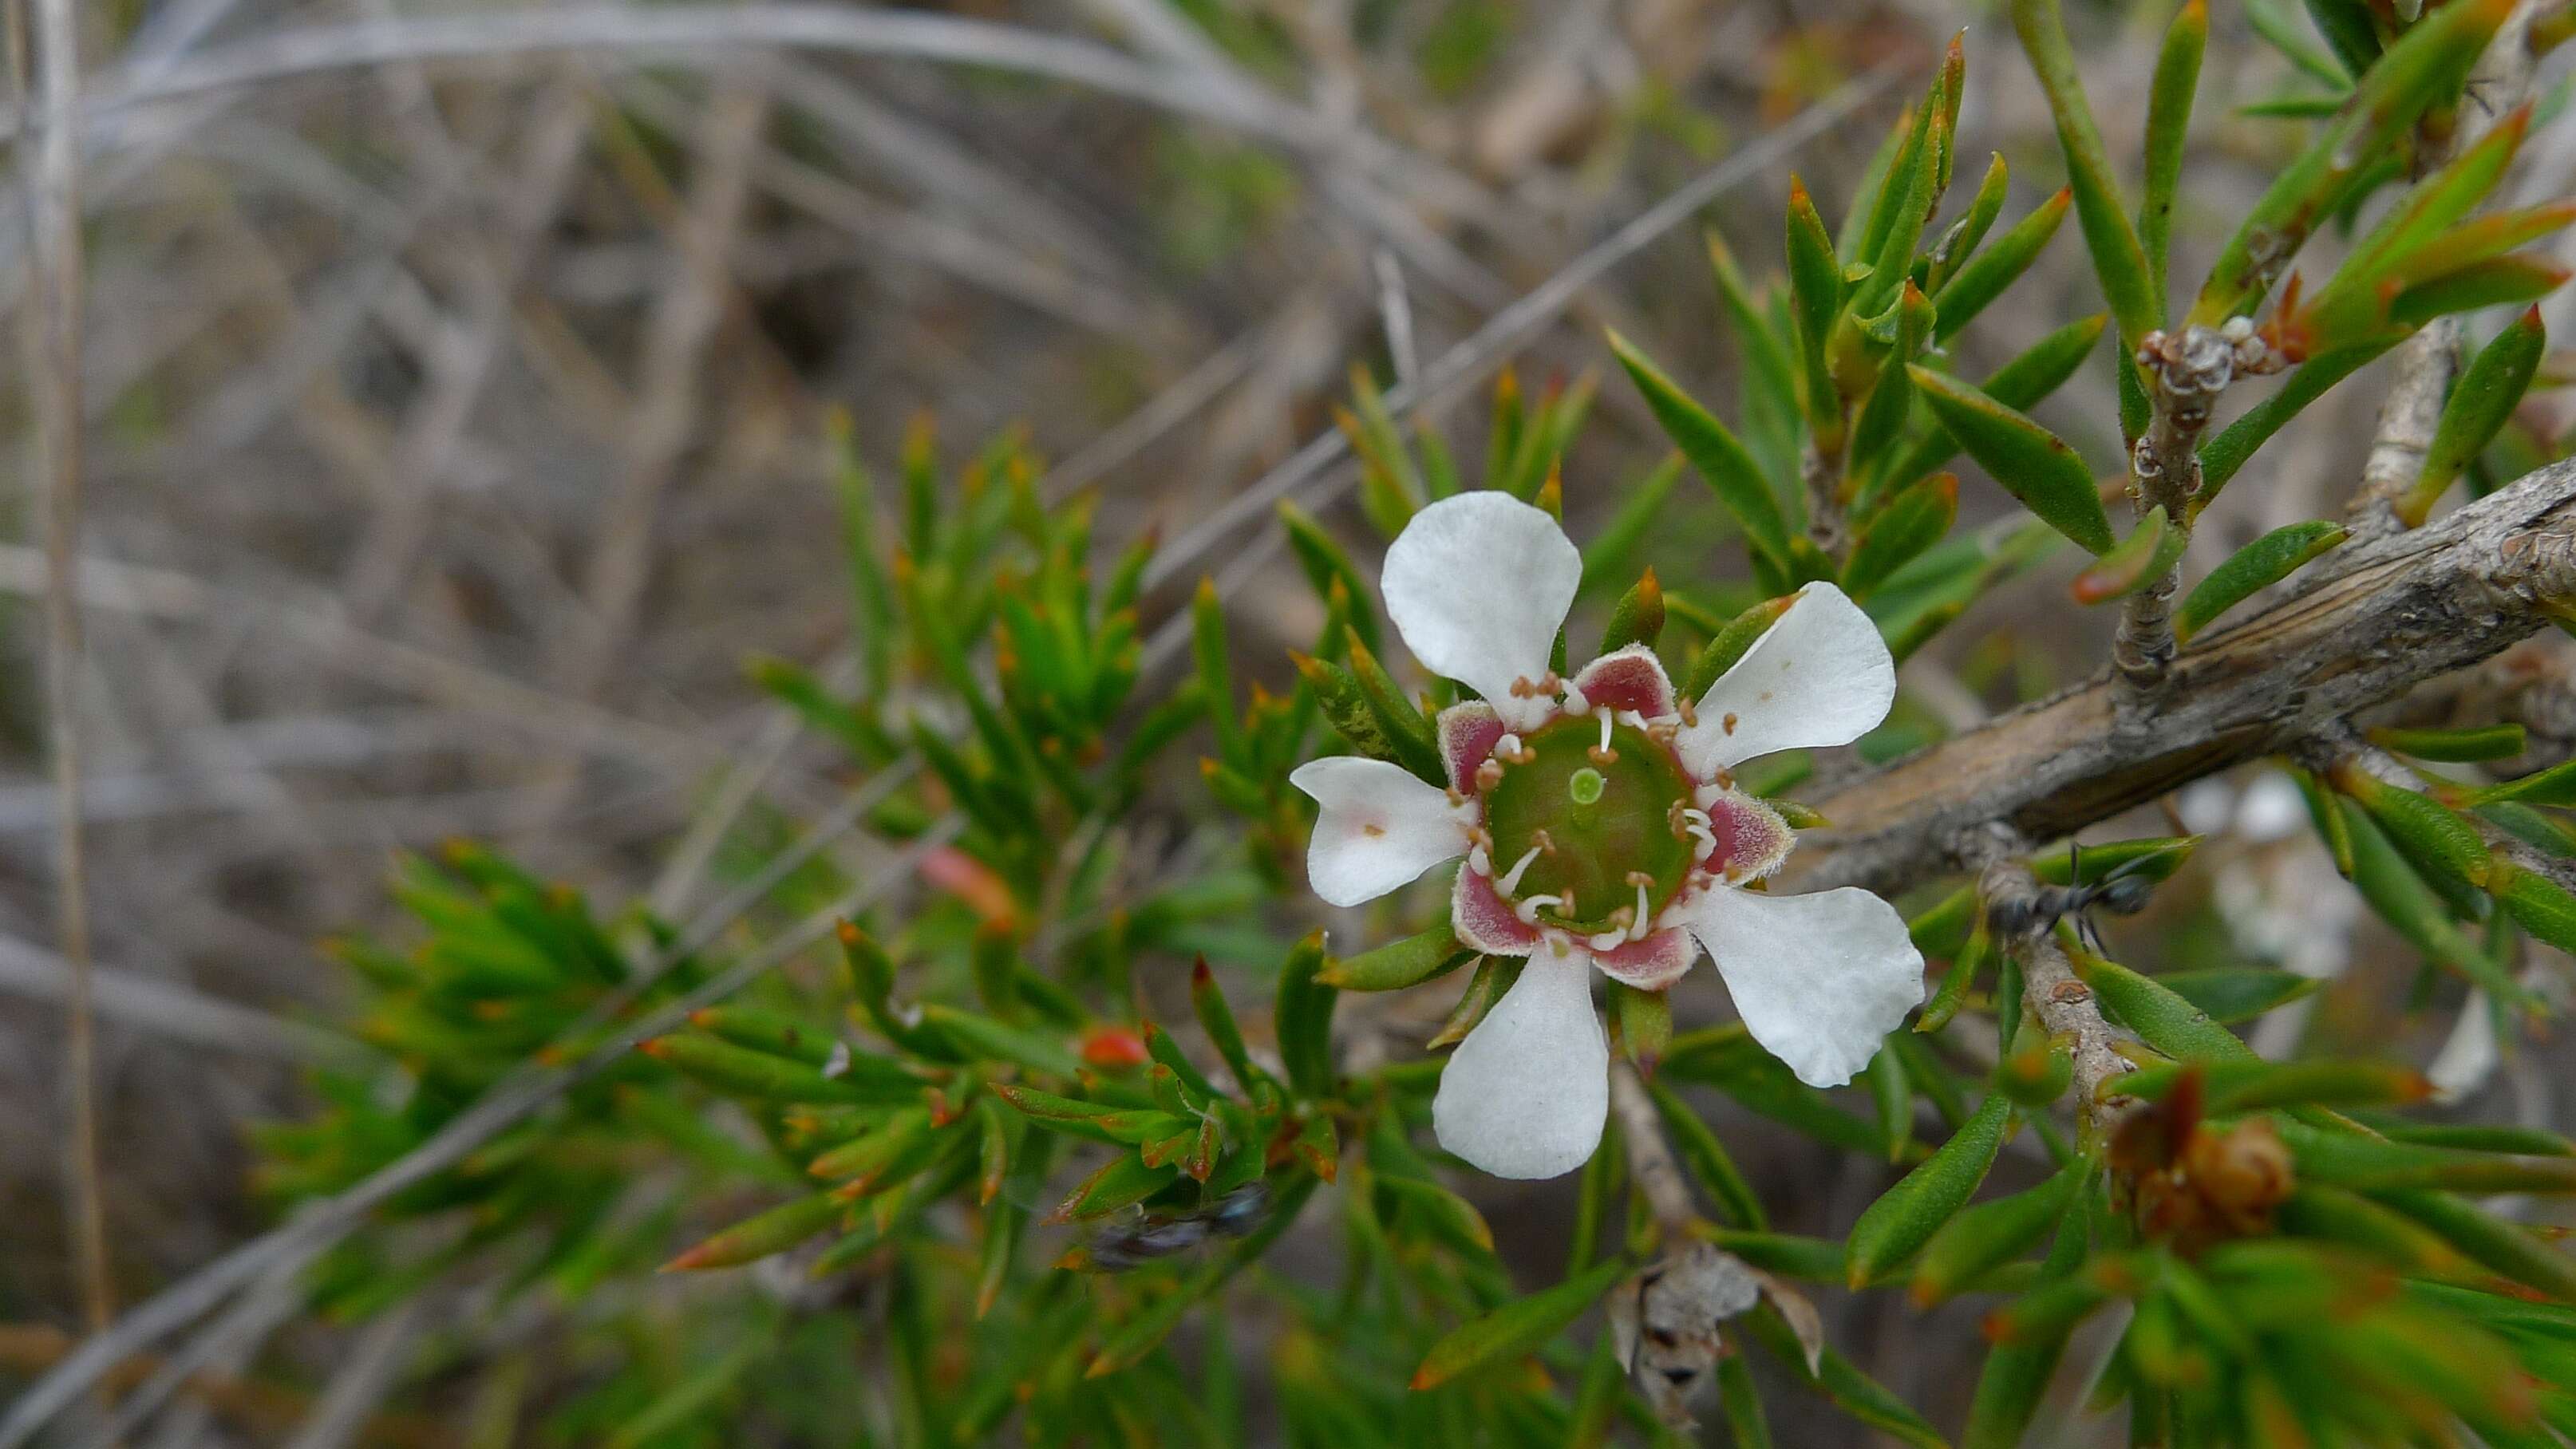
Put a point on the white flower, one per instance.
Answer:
(1601, 827)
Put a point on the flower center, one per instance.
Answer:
(1600, 819)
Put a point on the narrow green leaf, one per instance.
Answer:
(1922, 193)
(1984, 276)
(1891, 401)
(1001, 1041)
(2442, 845)
(2248, 1084)
(2233, 994)
(1965, 965)
(2364, 1164)
(1769, 368)
(2349, 30)
(2222, 455)
(2251, 569)
(1516, 1329)
(2409, 904)
(1642, 510)
(1728, 644)
(1815, 300)
(1842, 1383)
(1809, 1260)
(2462, 744)
(1196, 1090)
(1741, 1403)
(2509, 281)
(1486, 985)
(872, 983)
(1143, 1332)
(763, 1030)
(2480, 403)
(1731, 1061)
(1893, 1097)
(1991, 1234)
(2506, 1247)
(762, 1077)
(1325, 563)
(2553, 786)
(1638, 617)
(1644, 1023)
(2151, 857)
(899, 1147)
(2161, 1017)
(1416, 745)
(2424, 68)
(1899, 532)
(2118, 259)
(1345, 706)
(2284, 36)
(2017, 1371)
(2435, 205)
(1714, 454)
(2169, 100)
(1124, 1182)
(1305, 1018)
(2021, 383)
(1944, 929)
(2037, 1071)
(1961, 241)
(2538, 904)
(1398, 964)
(765, 1235)
(2025, 458)
(1908, 1214)
(1706, 1158)
(2347, 1219)
(2146, 555)
(1216, 1018)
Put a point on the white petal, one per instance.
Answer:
(1380, 827)
(1477, 585)
(1820, 676)
(1819, 979)
(1526, 1093)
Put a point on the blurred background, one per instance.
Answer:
(459, 384)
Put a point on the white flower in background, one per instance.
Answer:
(1601, 827)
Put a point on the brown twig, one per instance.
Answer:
(2061, 1001)
(2186, 372)
(1650, 1158)
(54, 351)
(2379, 620)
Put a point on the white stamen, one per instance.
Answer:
(1479, 862)
(1508, 746)
(1644, 922)
(1632, 719)
(1528, 909)
(1607, 941)
(1705, 846)
(1575, 703)
(1512, 878)
(1697, 817)
(1605, 729)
